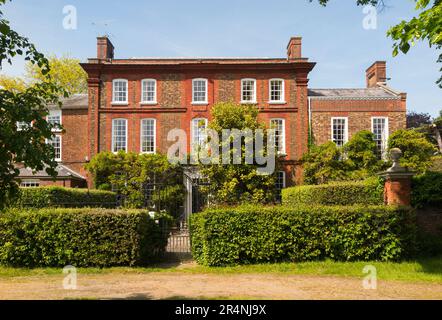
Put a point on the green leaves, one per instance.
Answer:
(257, 234)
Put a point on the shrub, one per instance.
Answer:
(64, 197)
(427, 190)
(79, 237)
(368, 192)
(257, 234)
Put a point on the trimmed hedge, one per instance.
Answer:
(253, 234)
(368, 192)
(44, 197)
(80, 237)
(427, 190)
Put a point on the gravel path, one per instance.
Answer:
(189, 286)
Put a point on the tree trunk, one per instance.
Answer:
(438, 138)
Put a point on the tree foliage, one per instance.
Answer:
(237, 183)
(417, 151)
(427, 26)
(417, 119)
(132, 175)
(29, 106)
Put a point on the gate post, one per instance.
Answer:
(397, 188)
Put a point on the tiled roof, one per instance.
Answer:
(363, 93)
(63, 172)
(76, 101)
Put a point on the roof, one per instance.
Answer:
(75, 102)
(199, 60)
(63, 172)
(380, 92)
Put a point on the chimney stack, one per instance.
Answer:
(105, 48)
(376, 74)
(294, 48)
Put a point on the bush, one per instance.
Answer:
(79, 237)
(368, 192)
(64, 197)
(427, 190)
(256, 234)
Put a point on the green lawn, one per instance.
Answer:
(428, 270)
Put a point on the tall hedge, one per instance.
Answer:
(54, 196)
(427, 190)
(368, 192)
(79, 237)
(256, 234)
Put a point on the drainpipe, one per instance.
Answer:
(309, 121)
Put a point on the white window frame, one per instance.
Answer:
(143, 100)
(49, 141)
(154, 136)
(387, 133)
(206, 83)
(55, 113)
(20, 124)
(345, 129)
(113, 134)
(253, 101)
(282, 101)
(193, 133)
(30, 183)
(283, 151)
(113, 92)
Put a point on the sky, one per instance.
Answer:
(334, 37)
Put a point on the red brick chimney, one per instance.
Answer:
(294, 48)
(377, 73)
(105, 48)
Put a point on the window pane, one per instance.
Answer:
(248, 90)
(199, 91)
(55, 142)
(120, 91)
(276, 90)
(380, 134)
(148, 135)
(339, 131)
(199, 135)
(279, 126)
(149, 91)
(119, 135)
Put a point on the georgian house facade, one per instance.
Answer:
(132, 104)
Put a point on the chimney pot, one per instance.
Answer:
(105, 48)
(294, 48)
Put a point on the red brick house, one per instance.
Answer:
(132, 104)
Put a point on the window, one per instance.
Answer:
(54, 119)
(276, 87)
(148, 128)
(279, 126)
(379, 127)
(55, 142)
(30, 183)
(199, 91)
(248, 91)
(119, 135)
(149, 91)
(119, 91)
(199, 135)
(339, 131)
(280, 183)
(23, 125)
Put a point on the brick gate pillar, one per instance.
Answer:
(397, 188)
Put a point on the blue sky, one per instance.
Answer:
(333, 36)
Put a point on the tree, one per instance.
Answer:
(426, 27)
(416, 149)
(416, 120)
(237, 183)
(146, 180)
(16, 84)
(30, 107)
(65, 72)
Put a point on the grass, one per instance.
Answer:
(423, 270)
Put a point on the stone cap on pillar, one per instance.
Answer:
(396, 170)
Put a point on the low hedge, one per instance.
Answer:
(44, 197)
(80, 237)
(426, 190)
(253, 234)
(368, 192)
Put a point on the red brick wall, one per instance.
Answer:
(359, 113)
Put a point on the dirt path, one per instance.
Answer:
(189, 286)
